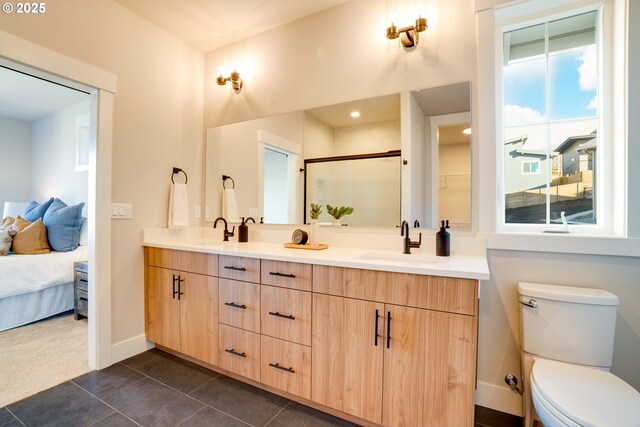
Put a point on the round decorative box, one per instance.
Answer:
(300, 237)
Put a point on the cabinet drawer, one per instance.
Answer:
(193, 262)
(286, 366)
(239, 268)
(448, 294)
(83, 306)
(286, 274)
(239, 304)
(240, 352)
(82, 293)
(286, 314)
(81, 283)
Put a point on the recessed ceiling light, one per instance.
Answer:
(467, 131)
(355, 114)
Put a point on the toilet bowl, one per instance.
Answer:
(566, 335)
(572, 395)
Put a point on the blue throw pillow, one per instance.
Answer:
(34, 210)
(63, 225)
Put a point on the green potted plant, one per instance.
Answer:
(314, 229)
(338, 212)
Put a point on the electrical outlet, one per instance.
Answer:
(197, 212)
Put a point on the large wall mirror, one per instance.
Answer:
(364, 154)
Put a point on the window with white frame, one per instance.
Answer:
(552, 133)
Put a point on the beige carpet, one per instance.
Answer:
(41, 355)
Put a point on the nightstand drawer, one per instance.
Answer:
(286, 366)
(239, 304)
(240, 352)
(287, 274)
(286, 314)
(239, 268)
(83, 306)
(82, 293)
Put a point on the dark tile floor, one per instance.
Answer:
(157, 389)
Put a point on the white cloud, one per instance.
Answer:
(588, 69)
(517, 115)
(593, 104)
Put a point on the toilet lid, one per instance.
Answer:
(588, 396)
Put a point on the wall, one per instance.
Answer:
(339, 55)
(318, 138)
(54, 157)
(454, 184)
(157, 124)
(15, 173)
(368, 138)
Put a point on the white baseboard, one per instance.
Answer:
(127, 348)
(499, 398)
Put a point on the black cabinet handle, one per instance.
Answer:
(232, 351)
(282, 368)
(388, 329)
(180, 280)
(376, 339)
(275, 273)
(174, 286)
(83, 281)
(233, 304)
(284, 316)
(231, 267)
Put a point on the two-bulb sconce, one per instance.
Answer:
(234, 78)
(408, 35)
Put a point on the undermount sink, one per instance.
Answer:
(396, 257)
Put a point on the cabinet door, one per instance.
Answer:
(163, 308)
(429, 368)
(199, 317)
(346, 362)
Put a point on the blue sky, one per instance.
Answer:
(572, 76)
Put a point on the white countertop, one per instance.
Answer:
(462, 266)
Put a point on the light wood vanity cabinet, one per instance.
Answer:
(392, 348)
(181, 307)
(395, 365)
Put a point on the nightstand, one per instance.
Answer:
(80, 289)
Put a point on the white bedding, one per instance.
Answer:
(21, 274)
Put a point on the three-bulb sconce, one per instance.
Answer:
(234, 78)
(408, 35)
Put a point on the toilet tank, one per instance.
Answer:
(575, 325)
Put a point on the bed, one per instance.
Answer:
(33, 287)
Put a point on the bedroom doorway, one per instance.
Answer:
(43, 63)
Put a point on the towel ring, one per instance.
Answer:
(225, 178)
(178, 170)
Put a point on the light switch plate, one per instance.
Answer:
(121, 210)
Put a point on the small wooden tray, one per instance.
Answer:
(318, 247)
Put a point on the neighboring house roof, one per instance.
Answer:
(522, 150)
(588, 141)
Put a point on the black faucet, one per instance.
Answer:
(408, 244)
(416, 224)
(249, 218)
(227, 233)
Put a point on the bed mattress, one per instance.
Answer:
(22, 274)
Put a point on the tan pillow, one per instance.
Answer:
(31, 238)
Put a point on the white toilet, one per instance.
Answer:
(566, 335)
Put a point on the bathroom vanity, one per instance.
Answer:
(370, 336)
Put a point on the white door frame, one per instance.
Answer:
(101, 85)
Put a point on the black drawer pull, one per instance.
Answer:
(282, 368)
(275, 273)
(84, 281)
(233, 304)
(232, 351)
(231, 267)
(284, 316)
(83, 299)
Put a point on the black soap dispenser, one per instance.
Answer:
(443, 244)
(243, 231)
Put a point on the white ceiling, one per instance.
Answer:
(28, 98)
(372, 110)
(211, 24)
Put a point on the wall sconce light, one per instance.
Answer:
(408, 35)
(236, 81)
